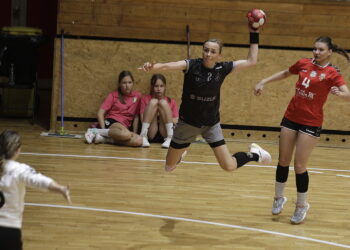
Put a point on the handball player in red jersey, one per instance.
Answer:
(302, 121)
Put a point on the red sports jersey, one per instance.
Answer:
(122, 112)
(312, 88)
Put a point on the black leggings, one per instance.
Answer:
(10, 238)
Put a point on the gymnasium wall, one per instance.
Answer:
(104, 37)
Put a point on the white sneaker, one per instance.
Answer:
(278, 204)
(145, 142)
(166, 143)
(90, 135)
(299, 214)
(264, 156)
(99, 139)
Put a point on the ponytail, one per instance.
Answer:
(327, 40)
(341, 51)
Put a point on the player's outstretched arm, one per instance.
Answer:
(64, 190)
(156, 67)
(275, 77)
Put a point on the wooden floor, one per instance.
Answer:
(123, 199)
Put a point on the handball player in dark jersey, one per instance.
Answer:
(199, 110)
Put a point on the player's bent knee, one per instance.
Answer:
(163, 103)
(169, 168)
(284, 162)
(228, 167)
(125, 136)
(299, 168)
(153, 102)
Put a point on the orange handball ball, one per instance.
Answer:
(256, 18)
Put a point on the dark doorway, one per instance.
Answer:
(40, 14)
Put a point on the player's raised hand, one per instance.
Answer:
(256, 19)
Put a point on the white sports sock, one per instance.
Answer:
(279, 189)
(103, 131)
(301, 199)
(144, 129)
(169, 129)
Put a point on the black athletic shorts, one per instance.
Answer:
(310, 130)
(109, 122)
(10, 238)
(158, 138)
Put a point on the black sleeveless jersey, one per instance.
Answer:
(201, 92)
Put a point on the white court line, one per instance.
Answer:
(346, 176)
(195, 221)
(315, 172)
(157, 160)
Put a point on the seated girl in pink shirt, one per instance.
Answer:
(158, 113)
(118, 115)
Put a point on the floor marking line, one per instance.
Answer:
(157, 160)
(346, 176)
(315, 172)
(193, 220)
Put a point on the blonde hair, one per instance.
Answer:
(215, 40)
(10, 142)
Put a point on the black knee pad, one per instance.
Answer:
(282, 173)
(217, 144)
(302, 182)
(178, 146)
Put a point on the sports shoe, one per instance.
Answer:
(169, 169)
(99, 139)
(264, 156)
(145, 142)
(278, 204)
(90, 135)
(166, 143)
(299, 213)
